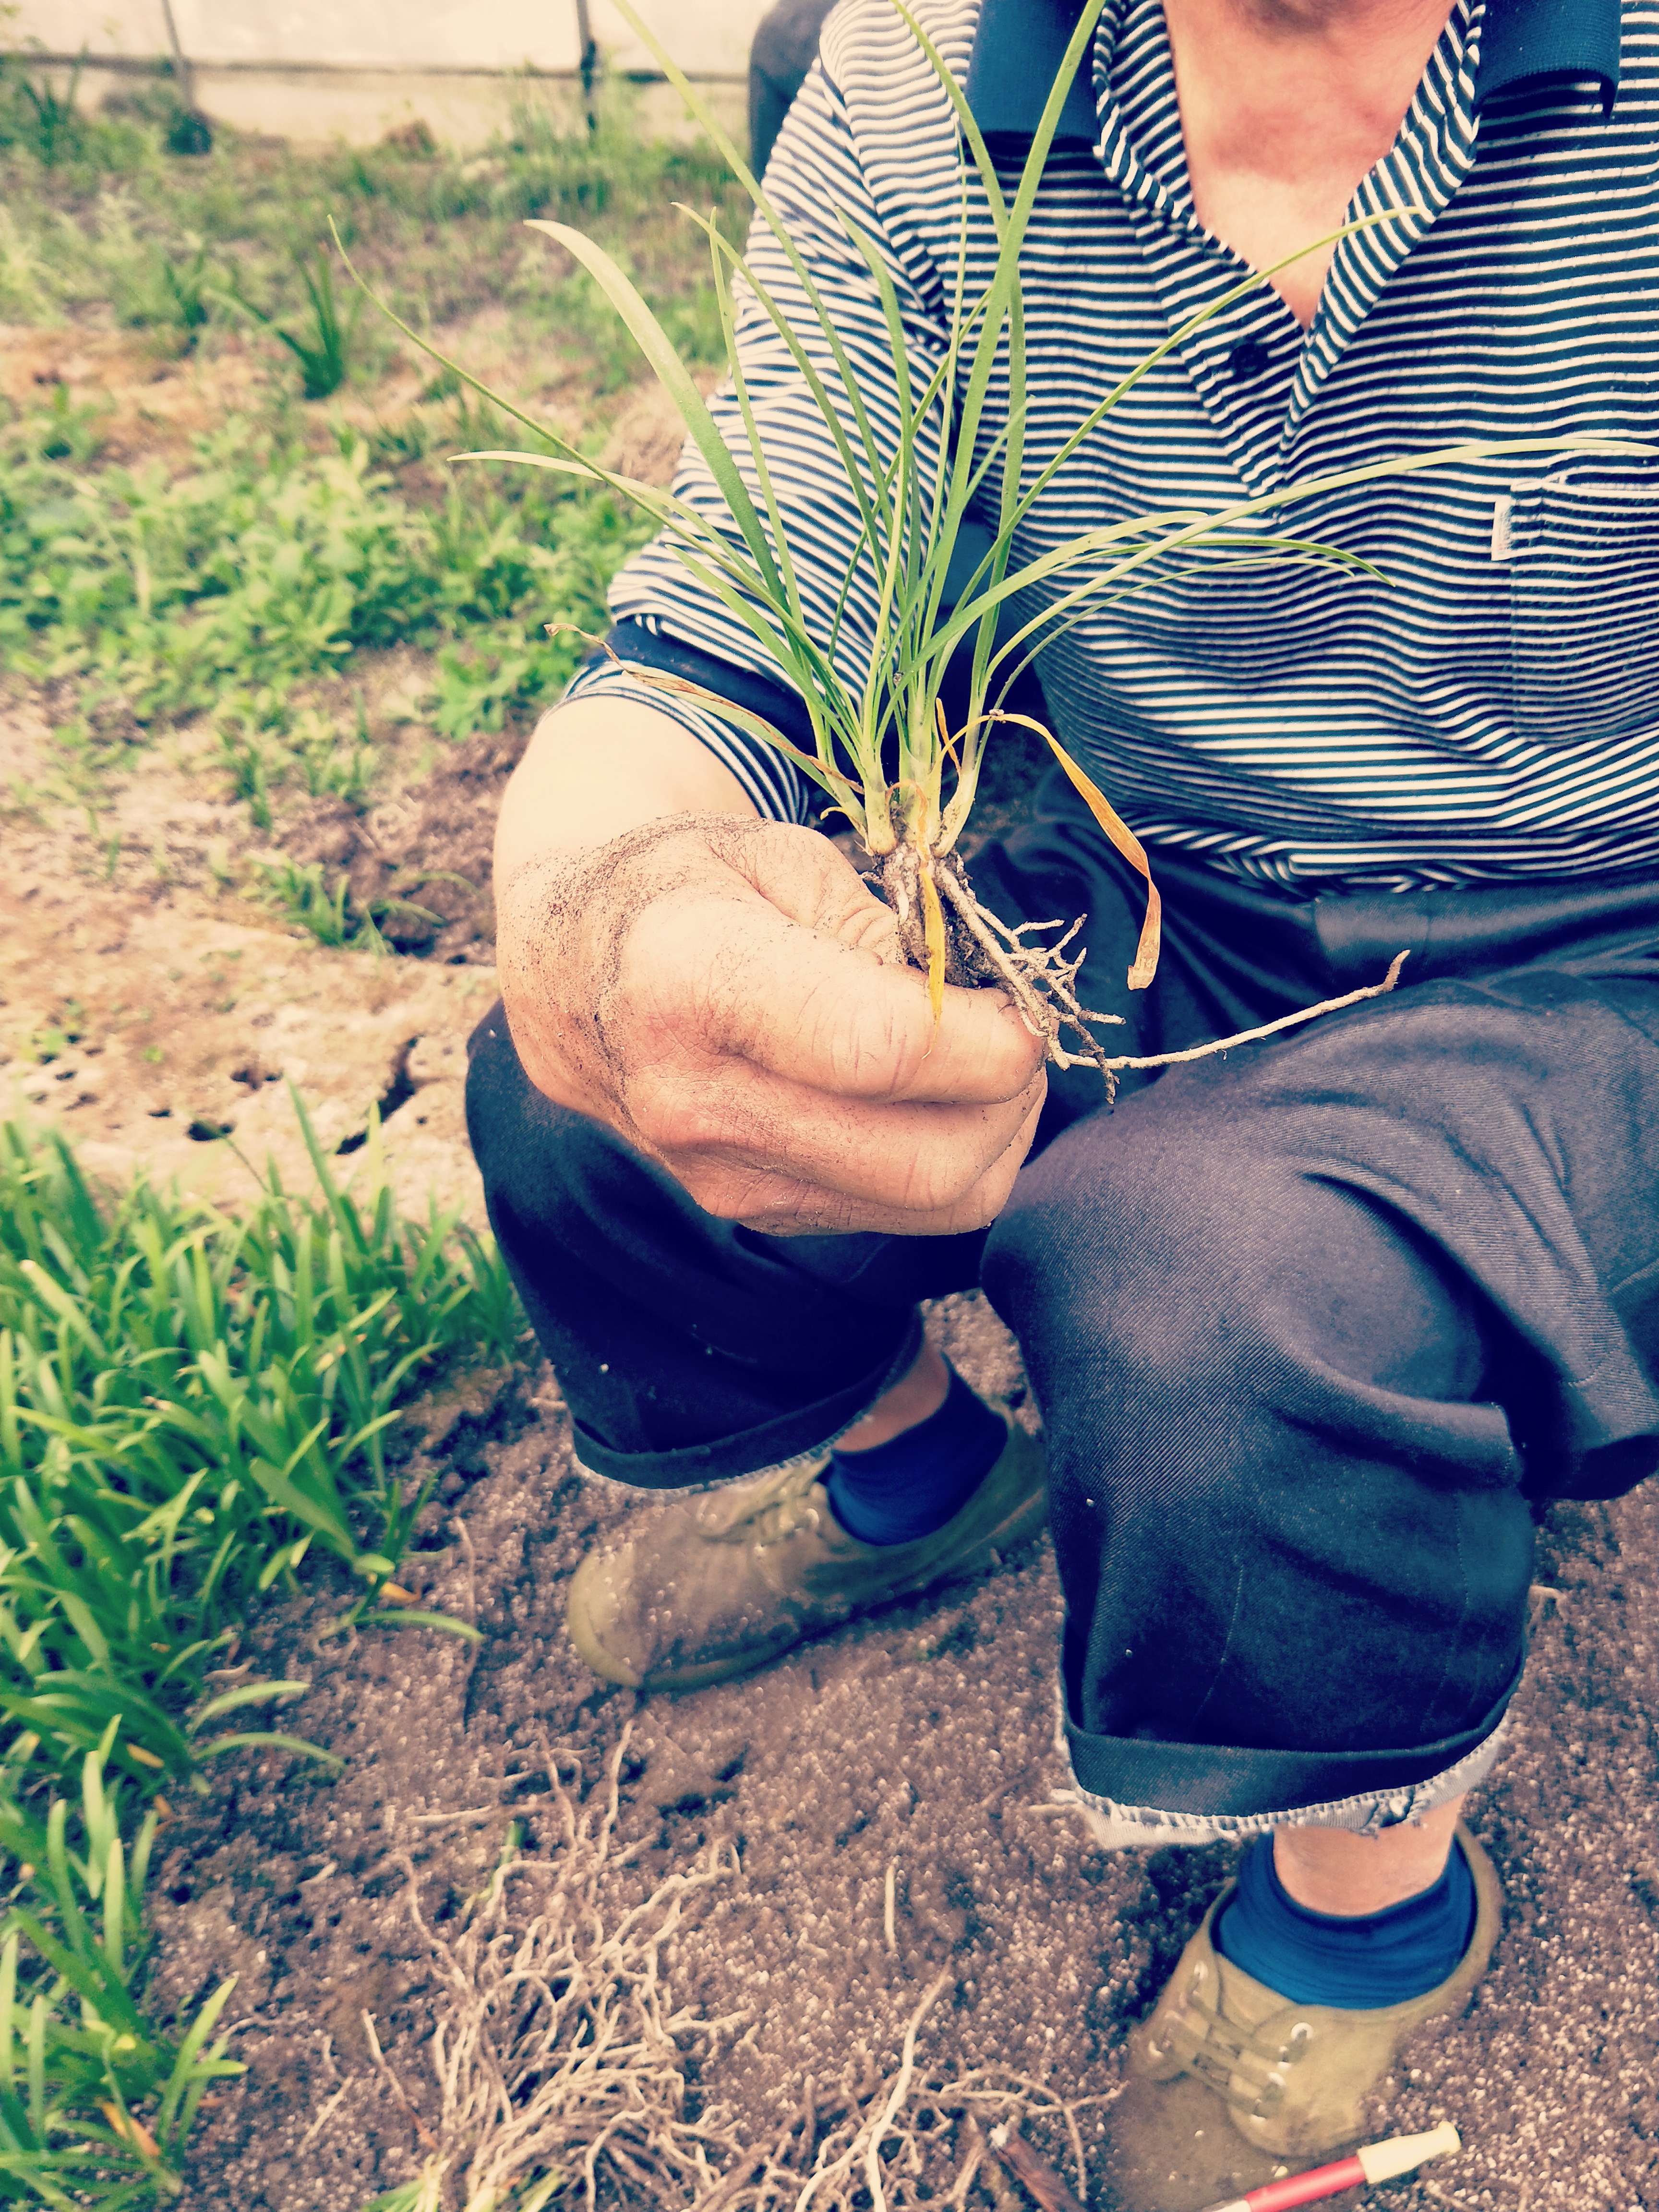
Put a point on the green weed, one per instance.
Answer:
(190, 1404)
(331, 768)
(41, 123)
(479, 683)
(167, 290)
(160, 590)
(24, 284)
(267, 564)
(324, 347)
(43, 118)
(251, 756)
(66, 429)
(96, 2101)
(300, 895)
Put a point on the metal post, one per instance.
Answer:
(589, 64)
(181, 69)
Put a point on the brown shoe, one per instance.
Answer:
(1228, 2084)
(729, 1580)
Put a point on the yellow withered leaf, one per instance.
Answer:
(129, 2128)
(145, 1758)
(1146, 960)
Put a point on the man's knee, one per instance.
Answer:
(1263, 1397)
(1176, 1241)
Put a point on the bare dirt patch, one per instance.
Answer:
(166, 1036)
(917, 1746)
(150, 400)
(420, 861)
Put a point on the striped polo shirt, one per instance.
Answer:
(1489, 709)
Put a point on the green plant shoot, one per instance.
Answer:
(881, 749)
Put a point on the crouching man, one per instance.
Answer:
(1315, 1329)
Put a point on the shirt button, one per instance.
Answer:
(1249, 357)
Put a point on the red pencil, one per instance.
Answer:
(1371, 2162)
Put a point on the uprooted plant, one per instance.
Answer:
(558, 2053)
(940, 469)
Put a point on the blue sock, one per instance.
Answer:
(1361, 1963)
(921, 1477)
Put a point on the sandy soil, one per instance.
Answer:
(173, 1033)
(915, 1749)
(160, 1016)
(919, 1741)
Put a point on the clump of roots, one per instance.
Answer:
(894, 2144)
(559, 2057)
(1036, 969)
(946, 931)
(559, 2053)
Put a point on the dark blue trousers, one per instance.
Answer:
(1315, 1327)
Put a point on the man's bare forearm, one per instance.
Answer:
(597, 769)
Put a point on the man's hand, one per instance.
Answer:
(730, 997)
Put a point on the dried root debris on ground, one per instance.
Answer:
(857, 1846)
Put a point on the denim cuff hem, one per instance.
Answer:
(1150, 1794)
(806, 1432)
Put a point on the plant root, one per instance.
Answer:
(892, 2146)
(982, 948)
(1267, 1030)
(558, 2052)
(559, 2058)
(1040, 978)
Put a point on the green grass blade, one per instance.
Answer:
(246, 1693)
(710, 124)
(297, 1744)
(413, 1617)
(101, 1989)
(677, 381)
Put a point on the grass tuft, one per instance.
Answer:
(95, 2100)
(191, 1403)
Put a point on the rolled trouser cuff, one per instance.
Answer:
(802, 1433)
(1143, 1795)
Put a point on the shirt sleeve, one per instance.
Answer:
(664, 616)
(775, 786)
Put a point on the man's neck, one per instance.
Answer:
(1285, 105)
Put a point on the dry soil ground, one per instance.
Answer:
(910, 1756)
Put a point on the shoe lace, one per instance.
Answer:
(776, 1512)
(1220, 2052)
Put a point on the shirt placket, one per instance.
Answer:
(1397, 203)
(1255, 371)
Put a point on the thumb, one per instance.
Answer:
(825, 998)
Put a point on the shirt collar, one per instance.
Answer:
(1528, 43)
(1524, 44)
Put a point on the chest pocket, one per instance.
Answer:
(1584, 602)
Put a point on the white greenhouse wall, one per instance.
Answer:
(355, 68)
